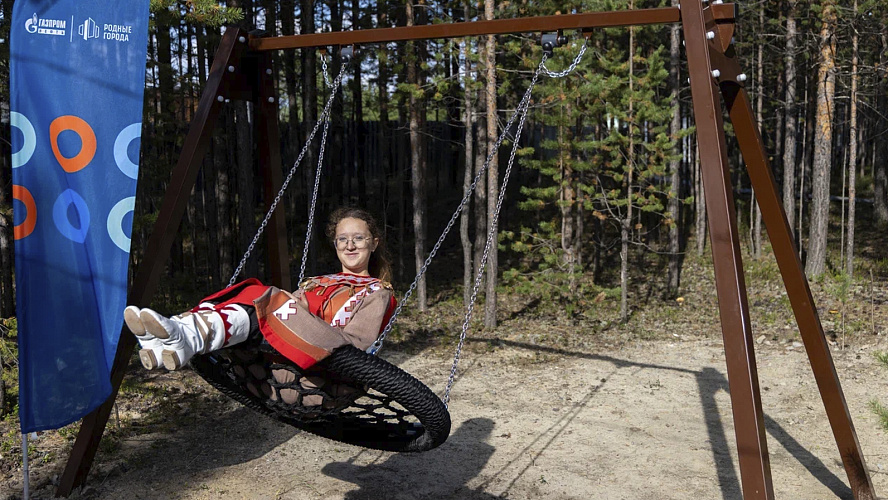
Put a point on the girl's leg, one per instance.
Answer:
(204, 329)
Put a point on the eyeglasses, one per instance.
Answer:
(360, 241)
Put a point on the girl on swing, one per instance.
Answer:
(305, 326)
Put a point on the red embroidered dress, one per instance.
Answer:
(326, 312)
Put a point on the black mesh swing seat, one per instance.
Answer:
(351, 396)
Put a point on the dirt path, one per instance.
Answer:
(647, 421)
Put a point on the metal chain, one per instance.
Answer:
(324, 70)
(491, 236)
(573, 65)
(314, 192)
(324, 118)
(523, 104)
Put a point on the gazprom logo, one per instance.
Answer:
(31, 24)
(46, 26)
(89, 29)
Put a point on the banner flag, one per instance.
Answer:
(77, 77)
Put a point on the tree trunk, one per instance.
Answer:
(492, 174)
(700, 201)
(464, 219)
(756, 226)
(816, 263)
(359, 140)
(567, 199)
(852, 161)
(222, 195)
(308, 59)
(880, 169)
(384, 156)
(7, 297)
(417, 166)
(480, 189)
(336, 145)
(790, 135)
(288, 63)
(625, 226)
(245, 202)
(674, 272)
(7, 266)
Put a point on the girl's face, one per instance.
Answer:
(354, 243)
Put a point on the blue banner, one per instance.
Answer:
(77, 76)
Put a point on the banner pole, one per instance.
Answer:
(26, 479)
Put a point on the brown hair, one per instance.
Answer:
(379, 267)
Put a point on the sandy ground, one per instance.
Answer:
(649, 420)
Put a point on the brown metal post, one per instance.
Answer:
(269, 137)
(796, 284)
(749, 423)
(157, 250)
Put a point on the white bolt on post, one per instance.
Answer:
(268, 71)
(220, 98)
(741, 77)
(716, 73)
(241, 39)
(231, 69)
(710, 35)
(271, 99)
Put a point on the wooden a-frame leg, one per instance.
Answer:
(749, 424)
(797, 288)
(157, 250)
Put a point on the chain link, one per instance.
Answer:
(324, 70)
(491, 236)
(324, 118)
(573, 65)
(314, 192)
(388, 327)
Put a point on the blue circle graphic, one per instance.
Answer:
(60, 215)
(115, 222)
(22, 123)
(121, 144)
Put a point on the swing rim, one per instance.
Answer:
(432, 429)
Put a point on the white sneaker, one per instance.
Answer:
(151, 346)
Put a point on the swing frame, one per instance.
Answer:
(242, 69)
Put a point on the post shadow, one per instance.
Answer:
(709, 382)
(440, 473)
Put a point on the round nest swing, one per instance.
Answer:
(351, 396)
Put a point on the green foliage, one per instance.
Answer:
(204, 12)
(882, 357)
(605, 145)
(874, 404)
(840, 286)
(880, 411)
(9, 367)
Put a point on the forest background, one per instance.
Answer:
(605, 205)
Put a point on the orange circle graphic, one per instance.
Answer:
(87, 137)
(24, 229)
